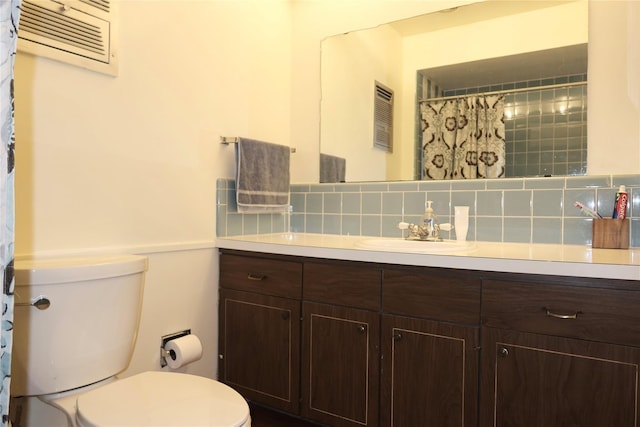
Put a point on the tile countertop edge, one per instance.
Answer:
(578, 261)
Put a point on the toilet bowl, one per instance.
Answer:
(75, 326)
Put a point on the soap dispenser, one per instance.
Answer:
(430, 222)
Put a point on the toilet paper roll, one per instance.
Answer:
(183, 350)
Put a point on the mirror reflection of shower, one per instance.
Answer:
(544, 113)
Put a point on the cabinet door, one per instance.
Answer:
(259, 347)
(340, 365)
(429, 373)
(532, 380)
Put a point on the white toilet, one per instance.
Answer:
(75, 326)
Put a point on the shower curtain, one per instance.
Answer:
(463, 138)
(9, 16)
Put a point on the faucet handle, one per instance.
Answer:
(446, 226)
(403, 225)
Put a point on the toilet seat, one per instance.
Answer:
(162, 398)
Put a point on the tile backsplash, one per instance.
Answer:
(523, 210)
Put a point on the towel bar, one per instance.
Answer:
(226, 140)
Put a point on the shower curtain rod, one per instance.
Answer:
(505, 91)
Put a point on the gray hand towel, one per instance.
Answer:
(262, 176)
(332, 168)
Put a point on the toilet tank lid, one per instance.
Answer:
(41, 271)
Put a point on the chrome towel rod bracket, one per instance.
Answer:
(226, 140)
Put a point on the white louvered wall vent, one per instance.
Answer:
(78, 32)
(383, 118)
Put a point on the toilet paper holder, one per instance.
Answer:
(164, 354)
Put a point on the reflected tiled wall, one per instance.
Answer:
(545, 124)
(536, 210)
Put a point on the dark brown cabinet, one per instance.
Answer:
(360, 344)
(259, 338)
(340, 365)
(559, 355)
(430, 360)
(341, 343)
(429, 373)
(533, 380)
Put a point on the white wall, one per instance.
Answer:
(129, 164)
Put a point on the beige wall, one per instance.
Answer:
(614, 87)
(129, 163)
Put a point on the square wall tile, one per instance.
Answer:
(547, 230)
(332, 203)
(517, 203)
(489, 203)
(585, 196)
(332, 224)
(414, 202)
(313, 223)
(297, 223)
(351, 225)
(547, 202)
(392, 203)
(372, 203)
(351, 203)
(464, 198)
(249, 223)
(298, 200)
(489, 229)
(390, 226)
(314, 203)
(371, 225)
(577, 231)
(517, 230)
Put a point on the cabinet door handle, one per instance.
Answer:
(503, 352)
(362, 329)
(285, 315)
(256, 277)
(551, 313)
(397, 336)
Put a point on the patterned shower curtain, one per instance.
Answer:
(9, 16)
(463, 138)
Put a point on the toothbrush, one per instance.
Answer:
(586, 211)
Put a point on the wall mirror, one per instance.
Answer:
(533, 54)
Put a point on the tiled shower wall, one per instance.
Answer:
(525, 210)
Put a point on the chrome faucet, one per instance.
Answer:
(429, 230)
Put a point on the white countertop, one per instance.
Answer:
(564, 260)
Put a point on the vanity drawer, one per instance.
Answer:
(261, 275)
(596, 314)
(449, 298)
(349, 284)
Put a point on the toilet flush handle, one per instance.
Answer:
(41, 303)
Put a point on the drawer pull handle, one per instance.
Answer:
(550, 313)
(256, 277)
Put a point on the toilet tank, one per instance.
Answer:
(88, 331)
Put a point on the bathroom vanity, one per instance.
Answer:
(506, 334)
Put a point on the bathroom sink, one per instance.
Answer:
(414, 246)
